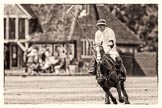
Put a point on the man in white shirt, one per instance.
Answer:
(105, 36)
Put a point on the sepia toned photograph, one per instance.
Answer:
(81, 54)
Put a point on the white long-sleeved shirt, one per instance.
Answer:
(105, 37)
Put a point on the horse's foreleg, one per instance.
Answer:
(101, 82)
(107, 95)
(112, 98)
(121, 99)
(107, 100)
(124, 93)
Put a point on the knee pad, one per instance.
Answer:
(118, 62)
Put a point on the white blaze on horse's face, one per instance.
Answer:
(98, 57)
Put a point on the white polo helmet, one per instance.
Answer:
(101, 22)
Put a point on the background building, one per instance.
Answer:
(51, 25)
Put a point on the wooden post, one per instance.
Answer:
(26, 28)
(17, 38)
(87, 45)
(26, 43)
(7, 28)
(26, 37)
(17, 27)
(84, 47)
(26, 33)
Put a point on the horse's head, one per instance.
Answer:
(105, 63)
(99, 52)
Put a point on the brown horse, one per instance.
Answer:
(107, 77)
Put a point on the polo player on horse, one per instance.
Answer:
(105, 36)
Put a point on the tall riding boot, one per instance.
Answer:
(120, 71)
(92, 70)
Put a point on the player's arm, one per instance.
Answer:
(112, 38)
(110, 41)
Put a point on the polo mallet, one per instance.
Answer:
(70, 11)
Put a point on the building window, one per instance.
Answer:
(12, 28)
(21, 28)
(4, 28)
(71, 51)
(86, 48)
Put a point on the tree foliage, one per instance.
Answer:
(142, 19)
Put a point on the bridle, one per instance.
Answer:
(97, 49)
(99, 56)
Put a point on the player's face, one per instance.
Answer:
(101, 27)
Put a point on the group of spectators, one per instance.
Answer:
(41, 58)
(142, 19)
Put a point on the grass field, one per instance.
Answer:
(74, 90)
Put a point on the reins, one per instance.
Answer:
(107, 60)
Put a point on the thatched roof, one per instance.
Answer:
(56, 26)
(123, 34)
(19, 10)
(48, 37)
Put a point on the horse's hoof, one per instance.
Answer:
(121, 100)
(114, 101)
(127, 102)
(107, 103)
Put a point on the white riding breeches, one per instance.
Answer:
(113, 56)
